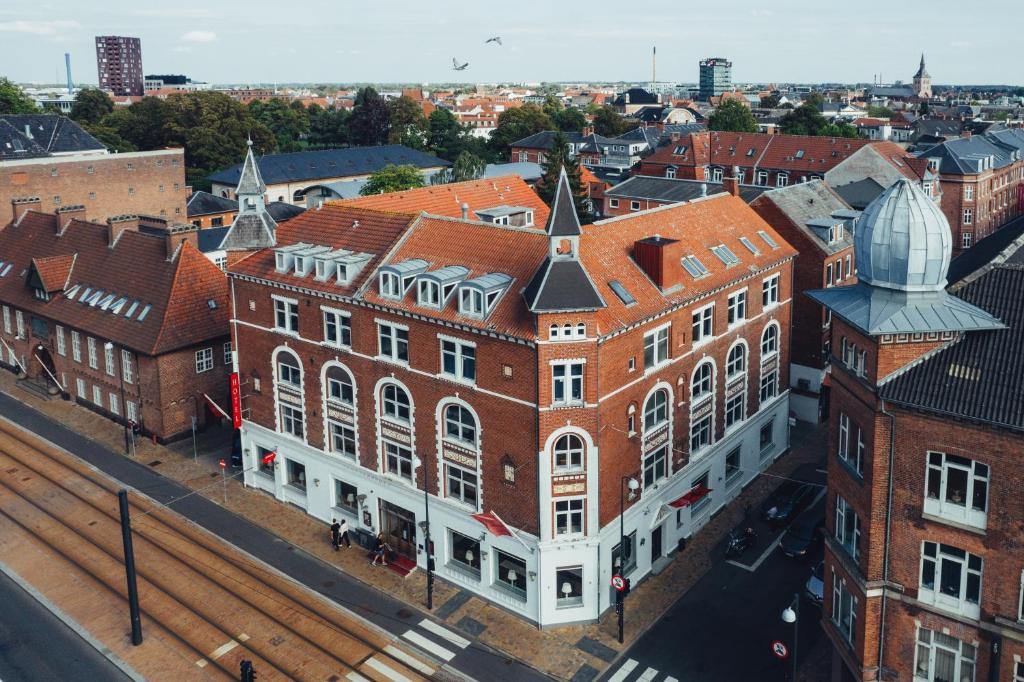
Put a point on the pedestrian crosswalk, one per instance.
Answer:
(436, 640)
(632, 671)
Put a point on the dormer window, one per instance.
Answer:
(324, 269)
(835, 233)
(282, 262)
(390, 285)
(429, 293)
(471, 302)
(300, 265)
(342, 271)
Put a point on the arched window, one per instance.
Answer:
(770, 341)
(339, 386)
(703, 381)
(459, 424)
(567, 330)
(737, 360)
(656, 409)
(553, 332)
(396, 403)
(289, 371)
(568, 452)
(581, 330)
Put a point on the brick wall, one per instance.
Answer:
(154, 184)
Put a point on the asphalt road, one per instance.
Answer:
(35, 645)
(723, 628)
(476, 661)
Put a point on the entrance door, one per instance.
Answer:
(656, 543)
(399, 528)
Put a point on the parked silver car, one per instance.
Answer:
(815, 587)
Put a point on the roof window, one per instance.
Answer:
(479, 296)
(799, 154)
(693, 266)
(768, 239)
(750, 246)
(621, 292)
(433, 289)
(725, 255)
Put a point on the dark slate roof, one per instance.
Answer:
(282, 210)
(250, 180)
(964, 155)
(563, 221)
(650, 114)
(891, 92)
(330, 163)
(210, 238)
(674, 190)
(546, 138)
(250, 232)
(813, 208)
(636, 96)
(43, 135)
(860, 193)
(981, 377)
(937, 127)
(204, 203)
(561, 285)
(984, 251)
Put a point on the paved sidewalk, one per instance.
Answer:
(569, 653)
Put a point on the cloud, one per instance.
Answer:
(40, 28)
(199, 37)
(181, 48)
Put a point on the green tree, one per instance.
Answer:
(770, 101)
(556, 159)
(445, 136)
(370, 122)
(289, 122)
(807, 120)
(608, 123)
(327, 127)
(515, 124)
(875, 111)
(734, 116)
(109, 136)
(570, 120)
(91, 104)
(392, 178)
(814, 99)
(467, 166)
(143, 124)
(13, 99)
(408, 124)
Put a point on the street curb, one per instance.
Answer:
(73, 625)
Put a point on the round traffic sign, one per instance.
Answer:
(779, 649)
(618, 582)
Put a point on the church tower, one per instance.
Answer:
(922, 82)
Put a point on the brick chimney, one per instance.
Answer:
(731, 184)
(588, 130)
(660, 258)
(65, 214)
(174, 235)
(23, 205)
(118, 224)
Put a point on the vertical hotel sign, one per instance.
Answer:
(236, 401)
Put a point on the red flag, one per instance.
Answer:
(696, 493)
(269, 457)
(215, 407)
(493, 524)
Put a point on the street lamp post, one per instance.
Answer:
(109, 347)
(620, 599)
(426, 536)
(792, 615)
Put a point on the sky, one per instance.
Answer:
(250, 41)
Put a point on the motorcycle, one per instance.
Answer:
(740, 542)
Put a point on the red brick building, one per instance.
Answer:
(520, 373)
(127, 317)
(923, 560)
(820, 226)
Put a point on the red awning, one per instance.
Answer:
(493, 524)
(697, 493)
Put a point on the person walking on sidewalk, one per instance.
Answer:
(335, 534)
(380, 551)
(343, 533)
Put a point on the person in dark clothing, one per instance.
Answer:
(335, 534)
(380, 551)
(343, 533)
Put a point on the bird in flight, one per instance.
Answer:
(495, 39)
(458, 67)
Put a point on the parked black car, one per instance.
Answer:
(802, 534)
(787, 501)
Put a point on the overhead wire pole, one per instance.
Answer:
(129, 568)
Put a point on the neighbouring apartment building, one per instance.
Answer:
(643, 192)
(519, 377)
(820, 226)
(924, 562)
(119, 65)
(125, 317)
(982, 180)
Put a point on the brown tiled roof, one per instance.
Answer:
(54, 271)
(135, 268)
(336, 225)
(447, 200)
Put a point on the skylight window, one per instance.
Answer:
(6, 269)
(725, 255)
(621, 292)
(85, 294)
(70, 293)
(750, 246)
(693, 266)
(131, 309)
(142, 315)
(768, 239)
(799, 154)
(679, 150)
(750, 152)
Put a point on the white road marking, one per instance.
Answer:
(671, 679)
(774, 544)
(409, 660)
(221, 650)
(425, 644)
(386, 671)
(430, 625)
(648, 675)
(623, 672)
(356, 677)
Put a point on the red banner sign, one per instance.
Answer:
(236, 401)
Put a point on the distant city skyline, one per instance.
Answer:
(344, 41)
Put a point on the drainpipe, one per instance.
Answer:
(888, 534)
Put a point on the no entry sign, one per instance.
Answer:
(618, 582)
(779, 649)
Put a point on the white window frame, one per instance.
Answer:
(390, 285)
(81, 390)
(847, 528)
(656, 341)
(968, 216)
(114, 404)
(732, 477)
(964, 668)
(428, 293)
(569, 380)
(459, 351)
(463, 477)
(575, 457)
(703, 324)
(7, 320)
(343, 434)
(735, 409)
(291, 417)
(108, 360)
(944, 558)
(395, 405)
(656, 466)
(61, 347)
(204, 360)
(737, 308)
(769, 387)
(940, 464)
(613, 203)
(76, 346)
(288, 309)
(341, 322)
(19, 321)
(398, 336)
(966, 240)
(127, 371)
(93, 361)
(968, 192)
(227, 356)
(770, 291)
(844, 608)
(732, 367)
(131, 411)
(471, 302)
(97, 395)
(573, 508)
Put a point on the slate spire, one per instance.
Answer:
(253, 228)
(251, 182)
(563, 221)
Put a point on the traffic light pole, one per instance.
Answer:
(129, 567)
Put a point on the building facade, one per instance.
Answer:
(922, 82)
(119, 65)
(715, 77)
(127, 318)
(923, 568)
(519, 375)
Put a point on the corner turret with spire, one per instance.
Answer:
(253, 228)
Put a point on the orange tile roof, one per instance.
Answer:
(447, 200)
(54, 271)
